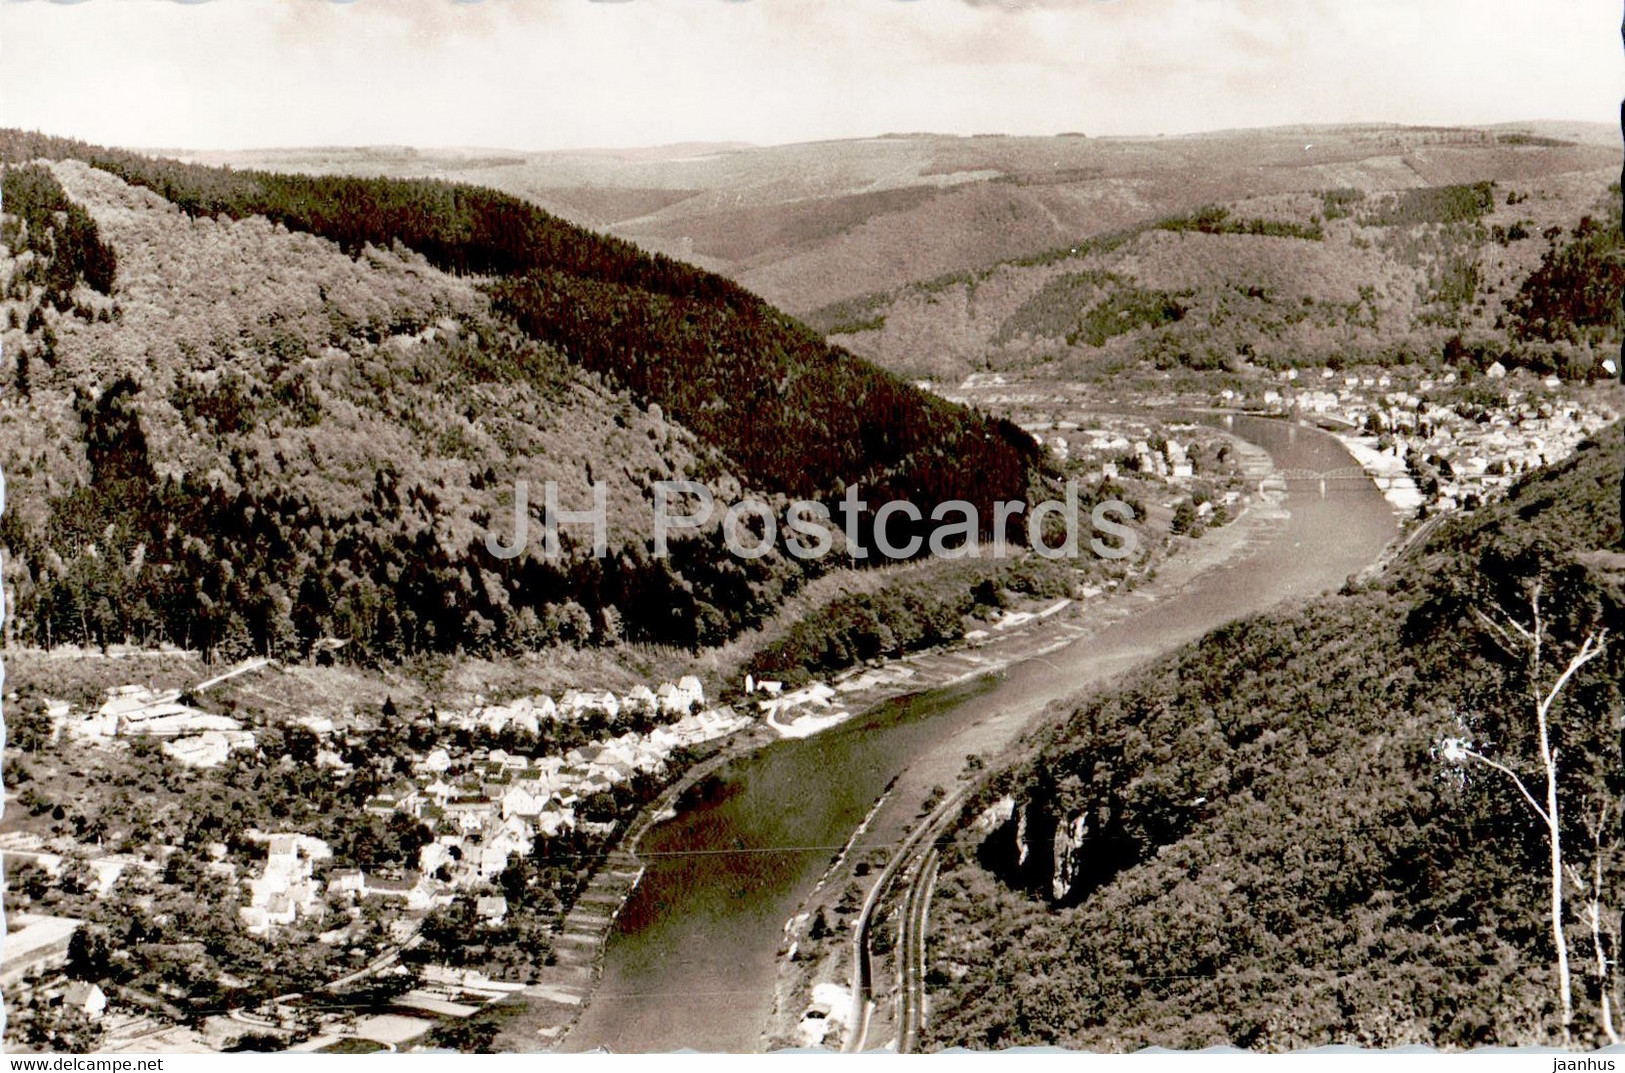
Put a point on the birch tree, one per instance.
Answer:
(1530, 643)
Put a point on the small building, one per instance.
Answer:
(492, 909)
(86, 1000)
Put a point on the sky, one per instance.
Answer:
(563, 74)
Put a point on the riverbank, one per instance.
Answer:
(545, 1010)
(695, 957)
(866, 690)
(811, 972)
(736, 853)
(813, 968)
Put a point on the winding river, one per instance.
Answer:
(692, 961)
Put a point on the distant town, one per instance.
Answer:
(1432, 443)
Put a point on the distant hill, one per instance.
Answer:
(1276, 851)
(1515, 270)
(811, 224)
(246, 411)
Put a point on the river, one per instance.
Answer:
(692, 961)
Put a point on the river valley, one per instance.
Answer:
(693, 956)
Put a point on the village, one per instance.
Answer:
(482, 808)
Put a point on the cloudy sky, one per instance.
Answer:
(541, 74)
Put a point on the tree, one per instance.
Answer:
(469, 1036)
(1530, 644)
(1186, 519)
(610, 628)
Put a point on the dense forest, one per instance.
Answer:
(799, 417)
(318, 453)
(131, 556)
(61, 233)
(1278, 846)
(1575, 294)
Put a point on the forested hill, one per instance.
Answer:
(797, 415)
(237, 437)
(1263, 839)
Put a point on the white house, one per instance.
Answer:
(87, 1000)
(519, 801)
(576, 703)
(491, 908)
(681, 698)
(640, 699)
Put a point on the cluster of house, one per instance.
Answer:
(287, 888)
(489, 804)
(1113, 443)
(1482, 453)
(670, 700)
(1171, 460)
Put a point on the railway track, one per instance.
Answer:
(910, 855)
(911, 952)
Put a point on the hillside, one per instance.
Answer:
(1339, 277)
(243, 413)
(688, 341)
(812, 224)
(1263, 840)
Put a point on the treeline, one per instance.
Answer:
(799, 416)
(1217, 220)
(907, 615)
(458, 228)
(1054, 310)
(1091, 307)
(58, 249)
(67, 247)
(1460, 203)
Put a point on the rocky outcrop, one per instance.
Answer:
(1068, 855)
(1044, 844)
(995, 816)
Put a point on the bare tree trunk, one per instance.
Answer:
(1512, 635)
(1605, 1011)
(1548, 760)
(1565, 985)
